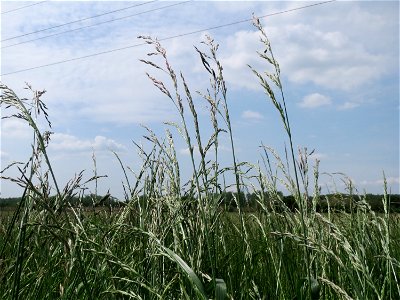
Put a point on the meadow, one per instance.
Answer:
(171, 239)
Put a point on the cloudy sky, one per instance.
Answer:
(339, 64)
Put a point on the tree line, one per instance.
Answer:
(252, 202)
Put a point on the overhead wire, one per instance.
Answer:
(79, 20)
(22, 7)
(97, 24)
(168, 38)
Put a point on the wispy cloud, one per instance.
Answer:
(240, 52)
(336, 55)
(389, 180)
(4, 155)
(15, 129)
(186, 151)
(221, 147)
(66, 142)
(348, 106)
(319, 156)
(252, 115)
(315, 100)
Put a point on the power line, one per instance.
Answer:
(100, 23)
(80, 20)
(29, 5)
(168, 38)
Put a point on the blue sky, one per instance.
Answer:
(339, 64)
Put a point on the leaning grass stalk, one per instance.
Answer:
(20, 249)
(303, 225)
(125, 174)
(207, 213)
(275, 78)
(390, 269)
(218, 78)
(198, 137)
(16, 102)
(10, 99)
(175, 176)
(244, 234)
(177, 100)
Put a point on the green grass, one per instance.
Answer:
(173, 239)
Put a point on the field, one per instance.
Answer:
(164, 253)
(174, 240)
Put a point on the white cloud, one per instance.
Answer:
(348, 106)
(327, 57)
(392, 180)
(185, 151)
(221, 148)
(315, 100)
(379, 182)
(319, 156)
(4, 155)
(239, 51)
(340, 55)
(65, 142)
(252, 115)
(235, 6)
(109, 88)
(15, 128)
(114, 87)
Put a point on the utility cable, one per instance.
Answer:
(167, 38)
(80, 20)
(22, 7)
(100, 23)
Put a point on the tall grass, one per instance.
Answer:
(172, 239)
